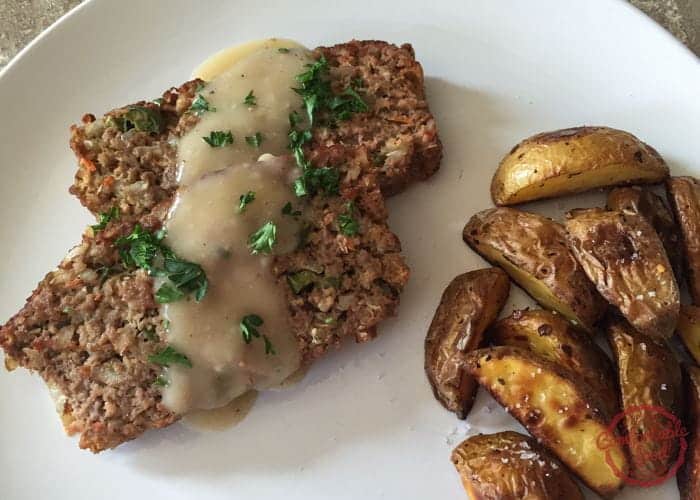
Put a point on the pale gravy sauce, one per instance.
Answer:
(205, 226)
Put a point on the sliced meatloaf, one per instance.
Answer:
(91, 324)
(136, 170)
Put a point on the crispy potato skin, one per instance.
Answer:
(624, 257)
(469, 304)
(573, 160)
(649, 374)
(688, 329)
(533, 250)
(641, 201)
(684, 196)
(510, 466)
(549, 335)
(688, 476)
(564, 415)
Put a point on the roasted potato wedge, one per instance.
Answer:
(689, 475)
(688, 329)
(649, 374)
(549, 335)
(564, 415)
(684, 196)
(469, 304)
(533, 251)
(641, 201)
(624, 257)
(510, 466)
(573, 160)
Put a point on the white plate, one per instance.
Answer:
(364, 423)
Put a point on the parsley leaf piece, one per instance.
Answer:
(313, 180)
(170, 356)
(269, 349)
(248, 327)
(219, 138)
(250, 99)
(287, 210)
(294, 119)
(262, 240)
(200, 105)
(244, 199)
(161, 381)
(105, 217)
(143, 119)
(283, 50)
(185, 277)
(347, 223)
(348, 102)
(301, 280)
(139, 248)
(254, 140)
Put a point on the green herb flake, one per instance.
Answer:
(250, 99)
(170, 356)
(219, 138)
(200, 105)
(104, 219)
(249, 327)
(143, 119)
(294, 119)
(283, 50)
(313, 180)
(158, 101)
(146, 250)
(269, 349)
(288, 210)
(254, 140)
(262, 240)
(301, 280)
(161, 381)
(347, 223)
(244, 200)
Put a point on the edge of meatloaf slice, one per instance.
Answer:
(137, 170)
(90, 325)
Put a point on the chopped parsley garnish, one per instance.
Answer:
(244, 200)
(161, 381)
(170, 356)
(140, 118)
(262, 240)
(104, 272)
(294, 119)
(249, 330)
(254, 140)
(219, 138)
(250, 99)
(301, 280)
(146, 250)
(313, 180)
(287, 210)
(347, 223)
(105, 217)
(283, 50)
(348, 102)
(201, 105)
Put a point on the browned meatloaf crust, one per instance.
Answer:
(90, 325)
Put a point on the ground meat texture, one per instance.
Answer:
(90, 325)
(88, 330)
(398, 131)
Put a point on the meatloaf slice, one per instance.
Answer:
(136, 170)
(91, 324)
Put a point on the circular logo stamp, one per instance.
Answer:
(657, 438)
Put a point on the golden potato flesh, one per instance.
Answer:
(510, 466)
(562, 413)
(684, 196)
(689, 475)
(573, 160)
(624, 257)
(533, 251)
(649, 374)
(469, 304)
(642, 201)
(688, 329)
(551, 336)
